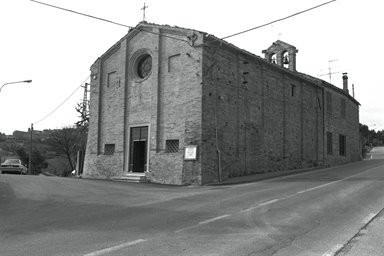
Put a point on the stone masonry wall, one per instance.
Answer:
(168, 102)
(348, 126)
(178, 108)
(259, 117)
(106, 115)
(267, 119)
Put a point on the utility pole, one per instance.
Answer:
(30, 150)
(85, 100)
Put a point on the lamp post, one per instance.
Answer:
(25, 81)
(30, 150)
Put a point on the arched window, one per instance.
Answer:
(286, 60)
(274, 58)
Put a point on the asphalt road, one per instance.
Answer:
(312, 213)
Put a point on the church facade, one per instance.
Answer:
(180, 106)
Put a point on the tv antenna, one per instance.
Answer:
(329, 71)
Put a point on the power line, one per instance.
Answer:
(269, 23)
(62, 102)
(239, 33)
(90, 16)
(82, 14)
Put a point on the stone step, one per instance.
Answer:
(132, 177)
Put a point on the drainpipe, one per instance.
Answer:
(323, 127)
(217, 139)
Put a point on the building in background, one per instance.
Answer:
(180, 106)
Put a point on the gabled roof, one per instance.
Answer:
(141, 26)
(278, 45)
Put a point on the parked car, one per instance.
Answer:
(13, 166)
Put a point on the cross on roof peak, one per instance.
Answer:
(145, 7)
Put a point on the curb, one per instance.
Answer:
(267, 176)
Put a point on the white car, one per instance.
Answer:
(13, 166)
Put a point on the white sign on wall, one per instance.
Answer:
(190, 152)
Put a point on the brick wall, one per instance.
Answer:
(168, 102)
(178, 111)
(348, 126)
(259, 116)
(268, 118)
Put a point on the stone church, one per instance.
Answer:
(180, 106)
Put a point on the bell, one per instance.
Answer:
(274, 61)
(286, 60)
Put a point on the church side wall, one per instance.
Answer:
(345, 125)
(267, 119)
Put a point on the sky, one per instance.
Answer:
(56, 48)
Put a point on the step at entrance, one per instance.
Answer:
(132, 177)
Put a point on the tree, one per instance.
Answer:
(364, 131)
(67, 141)
(83, 110)
(38, 160)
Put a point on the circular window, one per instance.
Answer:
(144, 66)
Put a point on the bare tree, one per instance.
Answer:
(83, 110)
(67, 141)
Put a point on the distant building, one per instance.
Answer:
(21, 135)
(184, 107)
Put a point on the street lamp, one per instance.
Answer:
(25, 81)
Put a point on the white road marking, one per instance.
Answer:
(115, 248)
(269, 202)
(276, 200)
(203, 222)
(333, 250)
(330, 183)
(250, 208)
(368, 218)
(262, 204)
(214, 219)
(298, 174)
(310, 189)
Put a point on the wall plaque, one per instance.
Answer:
(190, 152)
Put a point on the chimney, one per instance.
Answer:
(345, 82)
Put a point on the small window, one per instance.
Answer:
(174, 63)
(329, 143)
(342, 108)
(293, 90)
(109, 149)
(111, 79)
(329, 103)
(171, 146)
(342, 145)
